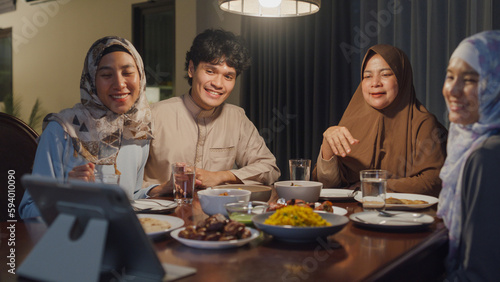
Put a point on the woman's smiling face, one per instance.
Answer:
(379, 84)
(118, 81)
(460, 90)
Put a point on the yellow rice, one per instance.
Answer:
(296, 216)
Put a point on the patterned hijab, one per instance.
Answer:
(387, 136)
(95, 130)
(481, 52)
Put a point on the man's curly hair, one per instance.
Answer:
(218, 46)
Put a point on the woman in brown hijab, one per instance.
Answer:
(385, 127)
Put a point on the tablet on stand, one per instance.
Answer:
(93, 234)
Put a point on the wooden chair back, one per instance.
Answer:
(18, 143)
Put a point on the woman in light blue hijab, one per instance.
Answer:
(469, 202)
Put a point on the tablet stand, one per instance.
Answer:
(93, 234)
(53, 257)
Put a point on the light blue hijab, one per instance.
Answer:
(482, 52)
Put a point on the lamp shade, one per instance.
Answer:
(271, 8)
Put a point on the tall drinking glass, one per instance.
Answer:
(183, 179)
(373, 188)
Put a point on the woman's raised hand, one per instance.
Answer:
(337, 140)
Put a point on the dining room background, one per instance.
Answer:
(305, 69)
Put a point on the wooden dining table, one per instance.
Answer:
(352, 254)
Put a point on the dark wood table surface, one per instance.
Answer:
(353, 254)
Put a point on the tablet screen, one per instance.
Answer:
(127, 251)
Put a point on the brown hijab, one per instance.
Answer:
(403, 138)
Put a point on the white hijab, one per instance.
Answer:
(481, 52)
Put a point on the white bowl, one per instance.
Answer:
(259, 192)
(212, 202)
(244, 211)
(299, 189)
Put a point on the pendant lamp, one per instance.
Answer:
(271, 8)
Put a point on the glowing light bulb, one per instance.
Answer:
(270, 3)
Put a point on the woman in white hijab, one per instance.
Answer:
(469, 201)
(108, 131)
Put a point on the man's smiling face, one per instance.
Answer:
(212, 83)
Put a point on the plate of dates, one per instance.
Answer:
(215, 232)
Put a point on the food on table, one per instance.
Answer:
(216, 228)
(224, 194)
(275, 206)
(151, 225)
(301, 216)
(395, 201)
(292, 202)
(325, 206)
(244, 211)
(299, 202)
(291, 184)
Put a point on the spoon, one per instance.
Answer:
(388, 214)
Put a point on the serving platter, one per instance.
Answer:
(429, 199)
(301, 234)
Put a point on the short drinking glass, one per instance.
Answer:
(108, 178)
(300, 169)
(183, 179)
(373, 188)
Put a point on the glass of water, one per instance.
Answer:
(373, 189)
(300, 169)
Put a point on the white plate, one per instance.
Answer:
(401, 221)
(339, 210)
(154, 205)
(336, 210)
(429, 199)
(336, 194)
(174, 221)
(199, 244)
(301, 234)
